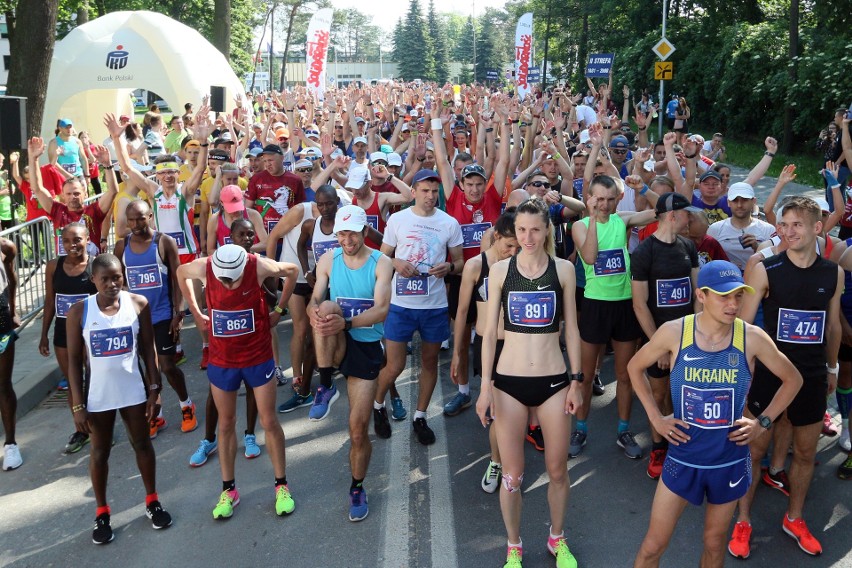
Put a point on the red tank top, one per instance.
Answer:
(374, 219)
(239, 321)
(223, 232)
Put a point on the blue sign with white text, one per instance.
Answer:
(600, 64)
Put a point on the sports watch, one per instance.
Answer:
(764, 421)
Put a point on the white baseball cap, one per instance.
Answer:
(350, 218)
(229, 261)
(358, 176)
(394, 159)
(740, 189)
(360, 139)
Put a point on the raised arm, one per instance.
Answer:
(788, 174)
(35, 148)
(762, 166)
(115, 130)
(445, 170)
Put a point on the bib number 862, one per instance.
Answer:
(236, 324)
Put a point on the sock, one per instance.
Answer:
(179, 347)
(186, 403)
(597, 372)
(229, 485)
(845, 423)
(775, 470)
(623, 426)
(378, 406)
(356, 484)
(464, 389)
(203, 345)
(419, 414)
(325, 376)
(101, 510)
(519, 545)
(279, 481)
(150, 498)
(664, 445)
(557, 536)
(844, 401)
(582, 427)
(159, 414)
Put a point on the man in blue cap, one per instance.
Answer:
(711, 356)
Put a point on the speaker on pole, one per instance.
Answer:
(13, 123)
(217, 99)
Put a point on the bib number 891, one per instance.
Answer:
(535, 311)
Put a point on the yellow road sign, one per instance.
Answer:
(663, 48)
(663, 70)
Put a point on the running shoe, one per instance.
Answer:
(514, 554)
(799, 531)
(381, 424)
(280, 379)
(627, 442)
(558, 548)
(322, 403)
(778, 481)
(829, 428)
(160, 519)
(225, 507)
(252, 449)
(103, 531)
(843, 442)
(535, 437)
(456, 404)
(11, 457)
(358, 509)
(398, 411)
(180, 357)
(425, 435)
(578, 440)
(740, 546)
(205, 357)
(598, 388)
(62, 384)
(76, 442)
(189, 422)
(157, 423)
(845, 469)
(491, 479)
(655, 463)
(296, 401)
(204, 450)
(284, 504)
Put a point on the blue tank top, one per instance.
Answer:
(147, 275)
(354, 291)
(709, 392)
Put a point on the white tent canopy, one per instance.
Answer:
(97, 66)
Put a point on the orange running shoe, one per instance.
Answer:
(799, 530)
(740, 547)
(188, 422)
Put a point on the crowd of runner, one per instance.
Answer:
(540, 234)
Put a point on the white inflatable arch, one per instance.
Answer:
(96, 67)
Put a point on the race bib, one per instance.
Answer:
(610, 262)
(532, 309)
(674, 292)
(270, 224)
(144, 277)
(322, 247)
(373, 221)
(60, 248)
(232, 323)
(179, 238)
(70, 168)
(707, 408)
(111, 342)
(65, 301)
(228, 241)
(800, 326)
(416, 286)
(353, 306)
(472, 234)
(483, 289)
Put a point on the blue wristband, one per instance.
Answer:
(830, 179)
(644, 190)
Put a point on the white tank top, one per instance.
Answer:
(291, 240)
(114, 377)
(321, 244)
(172, 217)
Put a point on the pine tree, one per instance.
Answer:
(487, 52)
(463, 51)
(413, 62)
(440, 47)
(398, 40)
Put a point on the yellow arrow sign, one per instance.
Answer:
(663, 70)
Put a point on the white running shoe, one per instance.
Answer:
(11, 457)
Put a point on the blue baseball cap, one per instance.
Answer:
(722, 277)
(425, 174)
(256, 151)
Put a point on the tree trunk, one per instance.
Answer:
(222, 27)
(83, 12)
(787, 144)
(31, 52)
(582, 51)
(282, 82)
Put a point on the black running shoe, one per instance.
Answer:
(103, 531)
(76, 442)
(535, 437)
(598, 387)
(381, 424)
(160, 519)
(425, 435)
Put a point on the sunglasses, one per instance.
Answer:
(283, 139)
(619, 152)
(338, 127)
(544, 184)
(380, 163)
(304, 170)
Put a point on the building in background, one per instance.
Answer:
(4, 51)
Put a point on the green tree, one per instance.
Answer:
(463, 50)
(415, 61)
(440, 48)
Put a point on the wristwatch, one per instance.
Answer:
(576, 377)
(764, 421)
(347, 325)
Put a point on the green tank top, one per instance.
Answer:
(608, 278)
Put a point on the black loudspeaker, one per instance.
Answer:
(13, 123)
(217, 99)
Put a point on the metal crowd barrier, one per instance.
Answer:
(35, 243)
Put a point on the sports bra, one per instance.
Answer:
(532, 306)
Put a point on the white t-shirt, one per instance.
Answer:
(729, 237)
(424, 242)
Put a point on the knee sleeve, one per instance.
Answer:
(507, 482)
(844, 401)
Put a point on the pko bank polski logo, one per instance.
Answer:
(117, 59)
